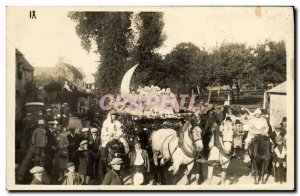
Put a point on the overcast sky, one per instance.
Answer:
(52, 34)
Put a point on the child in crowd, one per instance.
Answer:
(83, 155)
(139, 163)
(114, 176)
(72, 177)
(279, 160)
(238, 138)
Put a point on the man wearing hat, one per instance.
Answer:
(28, 125)
(114, 176)
(39, 142)
(73, 145)
(51, 147)
(65, 117)
(202, 107)
(94, 146)
(257, 125)
(139, 160)
(40, 178)
(48, 116)
(207, 123)
(40, 116)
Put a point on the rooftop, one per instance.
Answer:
(25, 64)
(281, 88)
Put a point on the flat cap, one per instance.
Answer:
(41, 122)
(116, 161)
(83, 142)
(277, 126)
(94, 130)
(70, 164)
(51, 123)
(37, 169)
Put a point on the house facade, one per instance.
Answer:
(278, 103)
(61, 71)
(24, 76)
(52, 80)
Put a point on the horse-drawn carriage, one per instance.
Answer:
(164, 133)
(170, 136)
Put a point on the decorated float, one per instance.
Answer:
(146, 109)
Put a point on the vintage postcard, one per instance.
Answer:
(150, 98)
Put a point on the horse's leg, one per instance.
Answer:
(176, 166)
(161, 174)
(264, 172)
(223, 173)
(162, 161)
(199, 173)
(189, 168)
(155, 157)
(255, 171)
(210, 173)
(157, 176)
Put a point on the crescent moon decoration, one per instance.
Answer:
(125, 85)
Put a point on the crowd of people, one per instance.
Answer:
(74, 155)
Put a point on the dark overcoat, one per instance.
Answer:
(112, 178)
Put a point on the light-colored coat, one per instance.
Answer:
(72, 179)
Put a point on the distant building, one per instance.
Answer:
(278, 103)
(62, 70)
(62, 83)
(89, 83)
(24, 75)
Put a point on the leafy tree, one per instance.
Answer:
(270, 63)
(112, 34)
(150, 37)
(186, 68)
(53, 86)
(229, 62)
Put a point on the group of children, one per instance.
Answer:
(139, 164)
(71, 177)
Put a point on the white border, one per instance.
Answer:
(93, 3)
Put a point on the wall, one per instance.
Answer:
(277, 108)
(27, 76)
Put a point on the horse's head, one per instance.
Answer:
(227, 138)
(196, 137)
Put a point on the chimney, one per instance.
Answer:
(60, 60)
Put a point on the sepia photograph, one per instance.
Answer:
(150, 98)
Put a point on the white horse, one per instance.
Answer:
(182, 151)
(220, 152)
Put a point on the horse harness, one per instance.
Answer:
(191, 155)
(194, 153)
(217, 141)
(172, 138)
